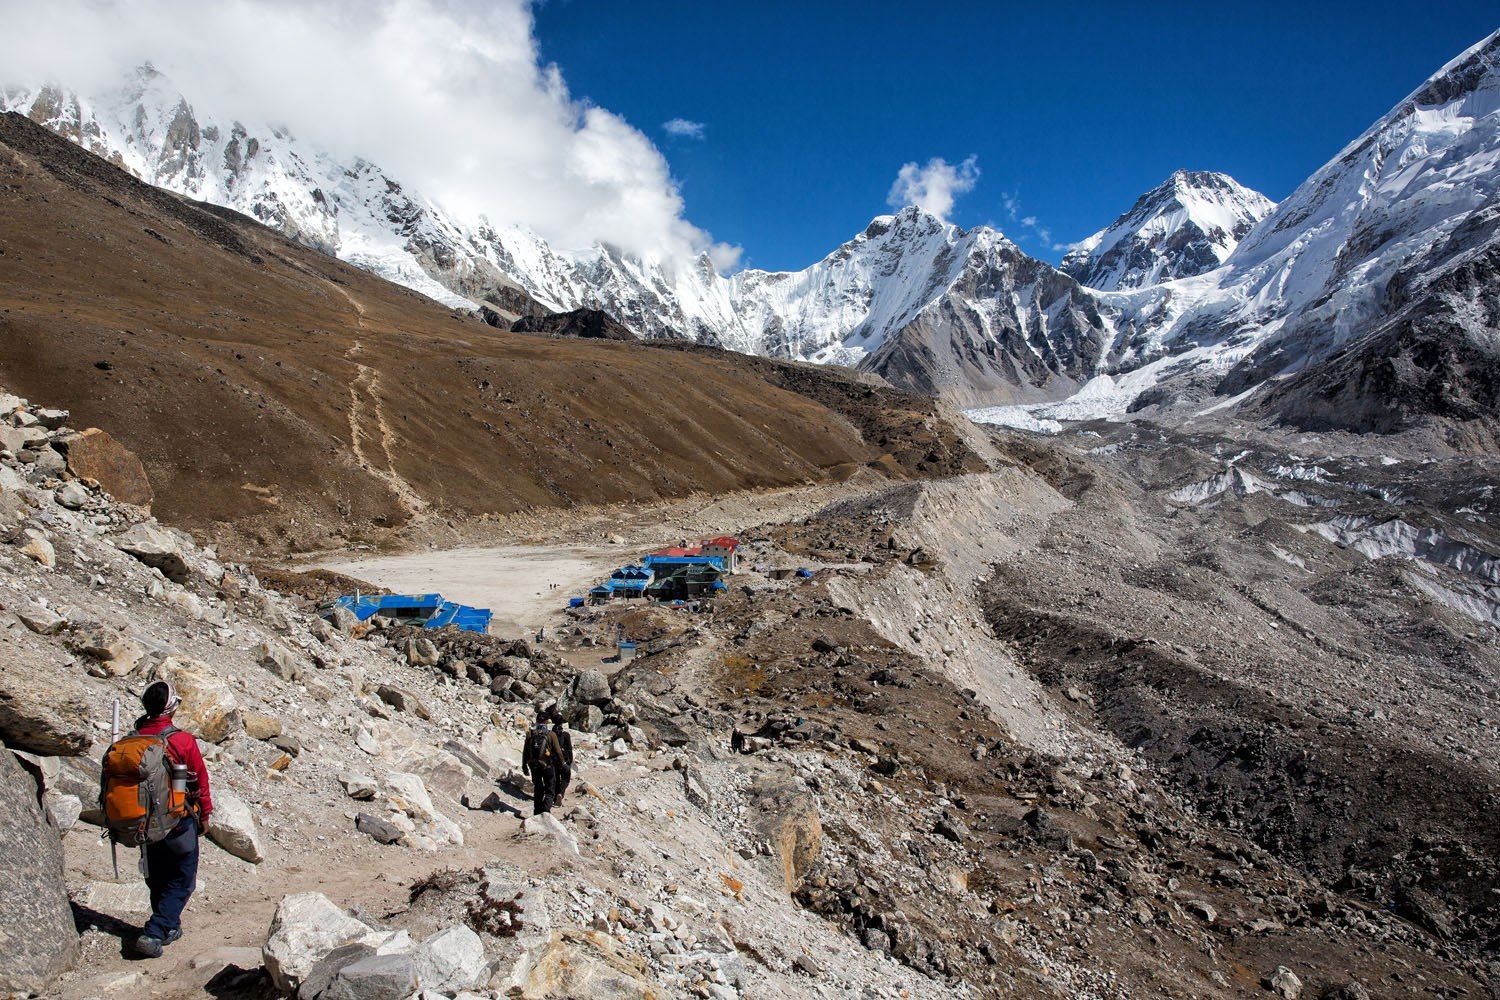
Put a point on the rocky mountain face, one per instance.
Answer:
(1362, 301)
(985, 314)
(1188, 224)
(1199, 294)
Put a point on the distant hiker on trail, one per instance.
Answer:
(565, 762)
(540, 759)
(155, 795)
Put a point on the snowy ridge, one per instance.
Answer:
(1202, 295)
(1187, 225)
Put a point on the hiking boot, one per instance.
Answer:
(148, 946)
(171, 935)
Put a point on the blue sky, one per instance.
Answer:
(809, 110)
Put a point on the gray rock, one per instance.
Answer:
(72, 495)
(52, 419)
(278, 660)
(44, 705)
(306, 927)
(117, 899)
(402, 700)
(1201, 908)
(232, 827)
(37, 936)
(156, 547)
(1284, 983)
(377, 829)
(63, 811)
(450, 960)
(421, 652)
(342, 619)
(321, 976)
(590, 687)
(587, 718)
(42, 621)
(360, 787)
(375, 977)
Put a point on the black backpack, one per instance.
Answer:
(538, 747)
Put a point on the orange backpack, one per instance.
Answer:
(140, 806)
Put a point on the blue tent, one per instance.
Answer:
(426, 610)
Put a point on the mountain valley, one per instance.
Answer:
(1120, 629)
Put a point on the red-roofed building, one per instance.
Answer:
(725, 548)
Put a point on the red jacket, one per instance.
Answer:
(185, 749)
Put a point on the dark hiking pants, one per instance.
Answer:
(171, 875)
(564, 779)
(543, 789)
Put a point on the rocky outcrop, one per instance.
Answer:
(786, 814)
(37, 937)
(44, 706)
(586, 964)
(95, 454)
(156, 547)
(210, 709)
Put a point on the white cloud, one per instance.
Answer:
(448, 96)
(934, 187)
(1012, 206)
(683, 128)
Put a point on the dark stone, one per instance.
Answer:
(322, 975)
(377, 828)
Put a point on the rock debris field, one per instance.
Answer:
(1133, 714)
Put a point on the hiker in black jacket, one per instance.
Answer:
(565, 763)
(540, 759)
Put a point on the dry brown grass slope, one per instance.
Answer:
(281, 399)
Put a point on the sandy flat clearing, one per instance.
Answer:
(513, 581)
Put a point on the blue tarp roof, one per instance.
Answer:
(440, 612)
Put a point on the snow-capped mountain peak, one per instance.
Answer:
(1187, 225)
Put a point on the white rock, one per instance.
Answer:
(548, 825)
(232, 827)
(450, 960)
(38, 549)
(359, 787)
(64, 810)
(307, 926)
(72, 495)
(116, 899)
(43, 621)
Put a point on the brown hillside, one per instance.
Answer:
(283, 399)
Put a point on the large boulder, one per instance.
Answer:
(209, 708)
(407, 794)
(278, 660)
(156, 547)
(44, 702)
(450, 960)
(590, 687)
(37, 938)
(785, 812)
(306, 927)
(582, 964)
(232, 827)
(94, 454)
(374, 977)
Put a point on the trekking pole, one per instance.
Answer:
(114, 735)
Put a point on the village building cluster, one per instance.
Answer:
(677, 573)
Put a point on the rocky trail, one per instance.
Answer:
(982, 755)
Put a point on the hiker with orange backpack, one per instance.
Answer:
(156, 797)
